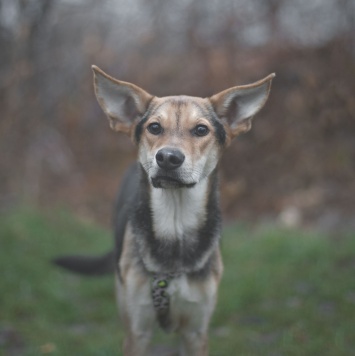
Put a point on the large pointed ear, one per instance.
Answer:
(237, 106)
(122, 102)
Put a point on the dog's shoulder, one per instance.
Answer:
(124, 205)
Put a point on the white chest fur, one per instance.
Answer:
(178, 211)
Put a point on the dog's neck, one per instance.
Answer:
(176, 213)
(176, 230)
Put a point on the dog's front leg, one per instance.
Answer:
(194, 344)
(137, 312)
(196, 314)
(138, 322)
(194, 334)
(137, 344)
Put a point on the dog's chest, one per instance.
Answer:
(190, 300)
(182, 291)
(178, 213)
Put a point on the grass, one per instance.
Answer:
(284, 292)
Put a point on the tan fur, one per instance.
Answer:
(127, 249)
(178, 116)
(226, 115)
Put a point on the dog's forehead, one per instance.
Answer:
(184, 107)
(182, 113)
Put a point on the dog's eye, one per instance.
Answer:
(201, 130)
(155, 128)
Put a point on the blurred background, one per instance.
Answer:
(297, 164)
(285, 291)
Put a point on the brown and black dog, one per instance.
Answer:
(167, 220)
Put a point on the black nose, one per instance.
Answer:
(169, 158)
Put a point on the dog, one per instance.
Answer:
(167, 259)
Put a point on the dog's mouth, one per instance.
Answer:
(166, 182)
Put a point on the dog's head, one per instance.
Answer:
(180, 138)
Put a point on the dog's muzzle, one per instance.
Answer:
(169, 161)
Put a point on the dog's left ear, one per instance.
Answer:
(122, 102)
(237, 106)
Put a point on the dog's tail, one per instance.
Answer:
(87, 265)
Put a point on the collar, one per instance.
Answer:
(160, 283)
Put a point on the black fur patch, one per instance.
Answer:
(123, 206)
(220, 132)
(139, 128)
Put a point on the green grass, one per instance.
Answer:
(283, 292)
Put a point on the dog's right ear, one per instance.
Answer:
(122, 102)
